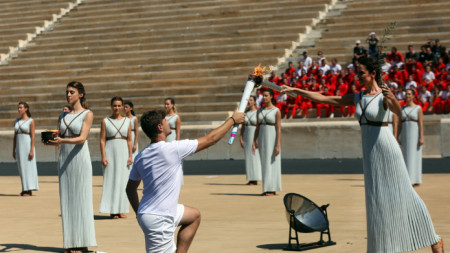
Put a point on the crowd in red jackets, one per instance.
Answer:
(426, 73)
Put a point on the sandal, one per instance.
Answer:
(252, 183)
(438, 247)
(114, 216)
(122, 215)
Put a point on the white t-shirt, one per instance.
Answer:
(425, 96)
(428, 76)
(385, 67)
(335, 68)
(411, 83)
(306, 61)
(393, 84)
(324, 68)
(160, 167)
(401, 95)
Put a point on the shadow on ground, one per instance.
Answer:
(9, 247)
(274, 246)
(237, 194)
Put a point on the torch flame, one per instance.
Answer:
(259, 71)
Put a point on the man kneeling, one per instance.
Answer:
(159, 166)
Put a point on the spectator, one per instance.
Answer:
(429, 57)
(307, 61)
(428, 76)
(411, 54)
(273, 78)
(335, 67)
(288, 72)
(381, 54)
(436, 48)
(445, 99)
(301, 68)
(436, 99)
(424, 98)
(358, 51)
(392, 84)
(411, 84)
(292, 106)
(423, 52)
(323, 67)
(396, 75)
(386, 66)
(320, 57)
(391, 56)
(372, 40)
(401, 95)
(398, 62)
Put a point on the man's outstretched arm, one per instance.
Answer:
(215, 135)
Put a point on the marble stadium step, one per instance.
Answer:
(389, 9)
(365, 4)
(142, 63)
(332, 51)
(126, 91)
(106, 109)
(145, 29)
(56, 103)
(416, 22)
(142, 44)
(95, 76)
(398, 38)
(255, 54)
(150, 49)
(431, 28)
(51, 122)
(152, 23)
(225, 9)
(389, 17)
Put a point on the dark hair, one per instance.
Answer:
(26, 106)
(150, 121)
(372, 64)
(272, 94)
(116, 99)
(172, 101)
(254, 98)
(130, 104)
(68, 107)
(80, 87)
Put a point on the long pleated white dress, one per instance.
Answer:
(267, 141)
(75, 186)
(116, 173)
(133, 136)
(390, 120)
(412, 152)
(397, 218)
(252, 161)
(172, 119)
(27, 168)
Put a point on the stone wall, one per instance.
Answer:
(300, 140)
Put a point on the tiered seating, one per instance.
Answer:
(21, 17)
(199, 52)
(417, 21)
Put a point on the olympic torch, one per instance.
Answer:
(254, 81)
(249, 86)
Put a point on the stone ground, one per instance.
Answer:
(234, 217)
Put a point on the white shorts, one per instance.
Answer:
(159, 231)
